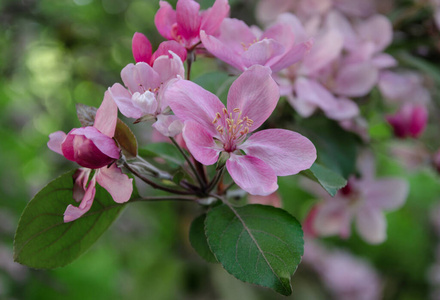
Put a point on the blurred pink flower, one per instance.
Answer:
(143, 100)
(142, 50)
(243, 47)
(210, 129)
(185, 23)
(93, 147)
(409, 121)
(272, 199)
(362, 199)
(403, 87)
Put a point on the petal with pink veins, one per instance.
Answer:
(371, 225)
(165, 48)
(55, 141)
(282, 33)
(213, 17)
(118, 184)
(285, 151)
(255, 93)
(164, 19)
(262, 52)
(141, 48)
(73, 212)
(123, 100)
(168, 67)
(252, 174)
(107, 116)
(188, 19)
(200, 143)
(189, 101)
(168, 125)
(140, 77)
(291, 56)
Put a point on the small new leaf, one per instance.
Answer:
(256, 243)
(328, 179)
(44, 241)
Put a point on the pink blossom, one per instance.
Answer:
(185, 23)
(93, 147)
(409, 121)
(142, 50)
(142, 99)
(210, 128)
(362, 200)
(243, 47)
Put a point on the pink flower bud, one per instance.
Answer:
(409, 121)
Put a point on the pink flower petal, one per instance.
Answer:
(165, 48)
(356, 80)
(252, 174)
(255, 93)
(343, 109)
(285, 151)
(81, 177)
(384, 60)
(371, 225)
(141, 48)
(386, 193)
(188, 19)
(291, 56)
(168, 125)
(168, 67)
(140, 77)
(118, 184)
(55, 141)
(107, 116)
(262, 52)
(213, 17)
(200, 143)
(333, 217)
(272, 199)
(123, 100)
(189, 101)
(282, 33)
(377, 29)
(164, 19)
(72, 212)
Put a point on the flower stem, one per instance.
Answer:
(215, 180)
(165, 198)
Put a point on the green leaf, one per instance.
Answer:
(328, 179)
(256, 243)
(44, 241)
(198, 240)
(166, 151)
(216, 82)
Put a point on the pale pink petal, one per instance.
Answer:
(141, 48)
(303, 107)
(189, 101)
(356, 80)
(285, 151)
(168, 125)
(272, 199)
(165, 48)
(72, 212)
(140, 77)
(118, 184)
(234, 33)
(252, 174)
(262, 52)
(295, 24)
(55, 141)
(200, 143)
(291, 56)
(255, 93)
(164, 19)
(188, 19)
(81, 177)
(377, 29)
(268, 10)
(366, 165)
(212, 18)
(358, 8)
(383, 61)
(222, 51)
(326, 49)
(343, 109)
(168, 67)
(282, 33)
(104, 143)
(333, 217)
(337, 21)
(371, 225)
(123, 100)
(107, 116)
(386, 193)
(312, 92)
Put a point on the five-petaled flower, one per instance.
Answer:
(93, 148)
(210, 128)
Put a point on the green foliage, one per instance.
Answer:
(328, 179)
(166, 151)
(256, 243)
(216, 82)
(198, 240)
(44, 241)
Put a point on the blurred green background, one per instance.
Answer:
(54, 54)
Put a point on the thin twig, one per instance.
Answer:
(165, 198)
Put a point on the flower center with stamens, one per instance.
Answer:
(232, 127)
(247, 46)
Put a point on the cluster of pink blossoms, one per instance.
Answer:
(155, 89)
